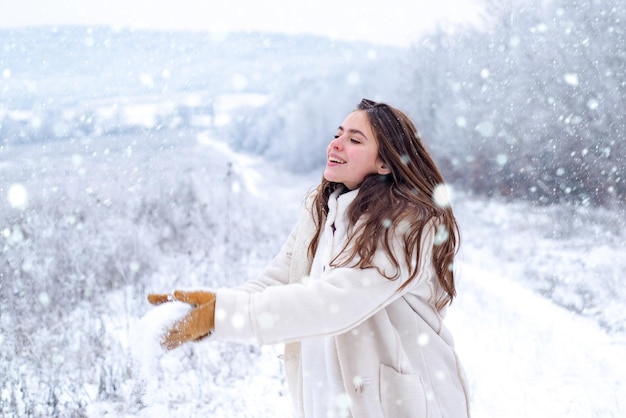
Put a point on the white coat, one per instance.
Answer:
(396, 357)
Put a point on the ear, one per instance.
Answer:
(383, 169)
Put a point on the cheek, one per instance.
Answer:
(366, 159)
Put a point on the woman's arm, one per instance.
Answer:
(332, 304)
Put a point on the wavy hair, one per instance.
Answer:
(404, 195)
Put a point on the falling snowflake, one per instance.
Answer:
(18, 196)
(442, 195)
(571, 79)
(486, 129)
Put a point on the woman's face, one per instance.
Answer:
(353, 154)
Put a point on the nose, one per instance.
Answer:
(336, 143)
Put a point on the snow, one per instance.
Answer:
(18, 196)
(144, 194)
(146, 349)
(442, 195)
(150, 328)
(571, 79)
(523, 355)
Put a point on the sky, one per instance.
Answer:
(388, 22)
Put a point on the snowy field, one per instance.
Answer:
(539, 323)
(123, 171)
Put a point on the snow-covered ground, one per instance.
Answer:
(527, 357)
(524, 355)
(529, 350)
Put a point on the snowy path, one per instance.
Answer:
(526, 357)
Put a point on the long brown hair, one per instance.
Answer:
(404, 195)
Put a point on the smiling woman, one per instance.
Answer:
(359, 291)
(398, 23)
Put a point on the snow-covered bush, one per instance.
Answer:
(86, 234)
(530, 106)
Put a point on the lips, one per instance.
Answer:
(335, 159)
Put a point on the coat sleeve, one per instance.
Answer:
(332, 304)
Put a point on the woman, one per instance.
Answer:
(358, 292)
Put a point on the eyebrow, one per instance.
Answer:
(353, 131)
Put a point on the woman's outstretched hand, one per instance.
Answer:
(194, 326)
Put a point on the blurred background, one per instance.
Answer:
(147, 145)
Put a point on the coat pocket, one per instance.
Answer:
(402, 395)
